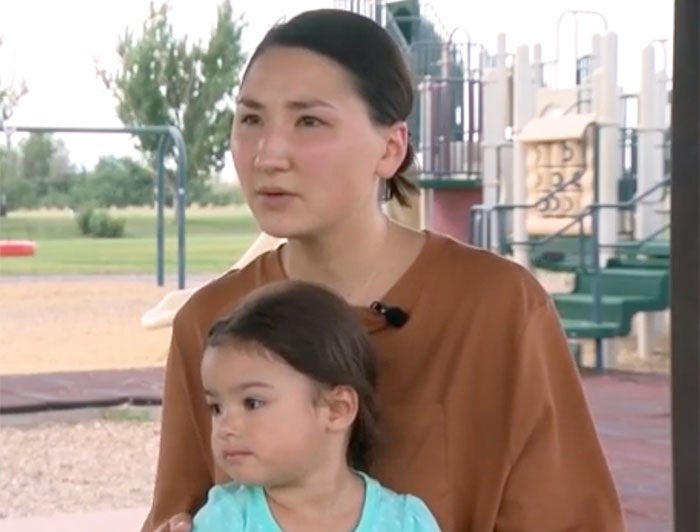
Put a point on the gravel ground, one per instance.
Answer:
(103, 461)
(79, 324)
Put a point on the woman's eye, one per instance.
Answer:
(310, 121)
(250, 119)
(215, 409)
(252, 404)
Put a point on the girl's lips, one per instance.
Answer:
(235, 454)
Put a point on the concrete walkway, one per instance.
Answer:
(129, 520)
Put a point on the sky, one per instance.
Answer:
(53, 45)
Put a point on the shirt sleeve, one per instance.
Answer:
(418, 517)
(221, 513)
(558, 477)
(185, 470)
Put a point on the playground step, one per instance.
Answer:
(643, 262)
(570, 262)
(613, 309)
(563, 254)
(628, 282)
(590, 329)
(651, 248)
(554, 263)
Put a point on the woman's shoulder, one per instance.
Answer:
(221, 294)
(454, 263)
(447, 252)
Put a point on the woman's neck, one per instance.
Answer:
(346, 259)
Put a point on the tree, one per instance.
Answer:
(37, 173)
(115, 182)
(165, 80)
(45, 165)
(15, 193)
(10, 94)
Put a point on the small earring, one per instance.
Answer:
(384, 190)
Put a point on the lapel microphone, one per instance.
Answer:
(394, 316)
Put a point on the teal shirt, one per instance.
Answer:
(237, 508)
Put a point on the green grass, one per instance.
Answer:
(215, 238)
(140, 223)
(127, 414)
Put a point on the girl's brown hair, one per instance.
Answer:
(319, 335)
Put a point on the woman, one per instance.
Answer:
(482, 412)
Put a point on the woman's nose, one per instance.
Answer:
(272, 152)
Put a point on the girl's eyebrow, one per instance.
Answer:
(242, 387)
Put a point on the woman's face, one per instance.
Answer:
(305, 150)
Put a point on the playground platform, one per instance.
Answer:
(631, 412)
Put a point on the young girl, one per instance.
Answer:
(289, 379)
(481, 407)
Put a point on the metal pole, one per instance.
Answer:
(685, 268)
(523, 103)
(160, 216)
(181, 203)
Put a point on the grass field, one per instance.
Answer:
(215, 237)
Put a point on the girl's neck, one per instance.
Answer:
(346, 259)
(328, 500)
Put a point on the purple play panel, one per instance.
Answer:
(631, 411)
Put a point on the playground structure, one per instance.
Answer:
(571, 179)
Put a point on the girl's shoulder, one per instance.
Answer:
(389, 511)
(226, 507)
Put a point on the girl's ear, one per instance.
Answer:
(342, 404)
(396, 145)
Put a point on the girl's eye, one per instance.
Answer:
(252, 404)
(215, 409)
(310, 121)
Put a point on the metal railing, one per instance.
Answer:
(481, 216)
(592, 211)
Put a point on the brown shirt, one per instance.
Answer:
(482, 407)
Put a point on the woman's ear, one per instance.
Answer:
(342, 404)
(395, 147)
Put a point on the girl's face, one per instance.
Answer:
(267, 427)
(306, 153)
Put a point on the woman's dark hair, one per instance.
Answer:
(372, 58)
(319, 335)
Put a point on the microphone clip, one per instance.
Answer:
(394, 316)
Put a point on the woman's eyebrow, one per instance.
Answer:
(297, 105)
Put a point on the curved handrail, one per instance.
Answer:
(483, 210)
(593, 207)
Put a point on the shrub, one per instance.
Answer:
(98, 223)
